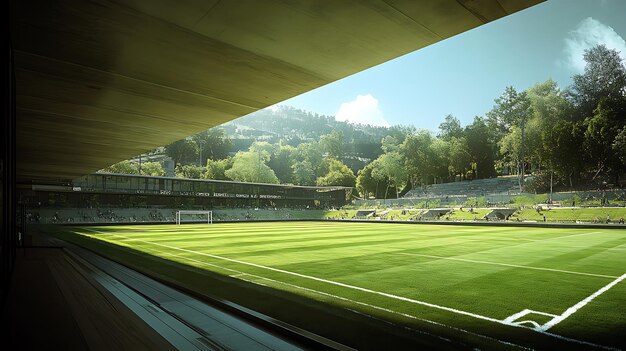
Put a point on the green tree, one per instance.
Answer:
(562, 149)
(600, 134)
(250, 167)
(619, 146)
(390, 144)
(216, 169)
(212, 144)
(312, 153)
(459, 158)
(604, 77)
(332, 144)
(510, 110)
(390, 166)
(416, 151)
(263, 148)
(190, 171)
(123, 167)
(450, 128)
(439, 151)
(481, 148)
(183, 151)
(282, 162)
(338, 174)
(302, 173)
(153, 169)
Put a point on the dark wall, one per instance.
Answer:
(8, 239)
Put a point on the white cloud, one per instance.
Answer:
(589, 33)
(362, 110)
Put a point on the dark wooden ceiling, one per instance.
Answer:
(99, 81)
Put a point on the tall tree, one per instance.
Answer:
(390, 143)
(282, 162)
(250, 167)
(264, 149)
(332, 144)
(619, 146)
(450, 128)
(481, 148)
(312, 153)
(338, 174)
(303, 173)
(604, 77)
(600, 134)
(509, 110)
(459, 158)
(212, 144)
(183, 151)
(366, 184)
(562, 149)
(390, 166)
(416, 151)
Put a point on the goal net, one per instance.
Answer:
(194, 216)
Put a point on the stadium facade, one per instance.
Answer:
(122, 190)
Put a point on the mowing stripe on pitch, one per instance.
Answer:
(508, 265)
(401, 298)
(386, 310)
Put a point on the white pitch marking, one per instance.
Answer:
(449, 309)
(365, 290)
(580, 304)
(508, 265)
(535, 324)
(239, 274)
(517, 315)
(389, 311)
(512, 318)
(543, 313)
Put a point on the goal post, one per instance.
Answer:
(181, 213)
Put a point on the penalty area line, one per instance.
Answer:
(579, 305)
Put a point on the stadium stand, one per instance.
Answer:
(162, 215)
(479, 187)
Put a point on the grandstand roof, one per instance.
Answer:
(101, 81)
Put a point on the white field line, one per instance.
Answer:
(579, 305)
(449, 309)
(508, 265)
(515, 316)
(239, 274)
(388, 311)
(512, 318)
(542, 313)
(401, 298)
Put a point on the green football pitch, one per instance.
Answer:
(484, 286)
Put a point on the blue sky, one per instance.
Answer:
(464, 74)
